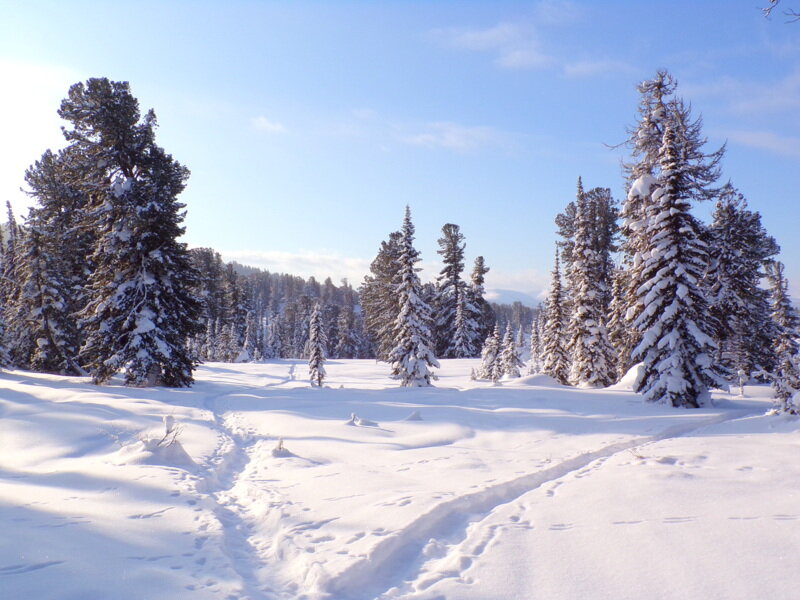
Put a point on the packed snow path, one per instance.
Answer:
(464, 491)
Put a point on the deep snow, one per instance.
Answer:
(527, 490)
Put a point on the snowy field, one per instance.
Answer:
(465, 491)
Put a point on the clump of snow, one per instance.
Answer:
(630, 381)
(414, 416)
(165, 451)
(539, 379)
(280, 451)
(357, 421)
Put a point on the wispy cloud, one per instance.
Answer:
(305, 263)
(459, 138)
(751, 97)
(514, 46)
(767, 140)
(266, 125)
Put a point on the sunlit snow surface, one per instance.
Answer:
(465, 491)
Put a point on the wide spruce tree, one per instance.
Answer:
(676, 347)
(141, 310)
(412, 356)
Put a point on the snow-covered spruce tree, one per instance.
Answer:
(64, 248)
(412, 356)
(535, 361)
(491, 366)
(248, 351)
(462, 345)
(44, 331)
(658, 108)
(588, 345)
(482, 317)
(317, 341)
(621, 336)
(141, 310)
(509, 355)
(555, 359)
(786, 375)
(450, 290)
(740, 247)
(378, 295)
(676, 347)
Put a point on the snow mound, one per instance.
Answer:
(357, 421)
(280, 451)
(540, 379)
(152, 451)
(414, 416)
(630, 380)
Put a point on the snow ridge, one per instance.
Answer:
(376, 575)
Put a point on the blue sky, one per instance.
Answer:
(309, 125)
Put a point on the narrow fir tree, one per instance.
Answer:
(590, 350)
(462, 344)
(490, 367)
(534, 364)
(481, 315)
(555, 360)
(317, 341)
(449, 290)
(786, 376)
(412, 357)
(509, 355)
(45, 340)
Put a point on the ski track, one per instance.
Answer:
(448, 525)
(224, 470)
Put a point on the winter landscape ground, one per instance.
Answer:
(464, 491)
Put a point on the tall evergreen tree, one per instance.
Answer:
(481, 317)
(658, 110)
(786, 376)
(317, 340)
(590, 350)
(535, 362)
(44, 332)
(676, 348)
(555, 359)
(141, 311)
(412, 356)
(740, 247)
(449, 290)
(379, 298)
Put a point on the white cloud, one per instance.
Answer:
(266, 125)
(527, 281)
(766, 140)
(460, 138)
(750, 97)
(514, 46)
(305, 263)
(31, 96)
